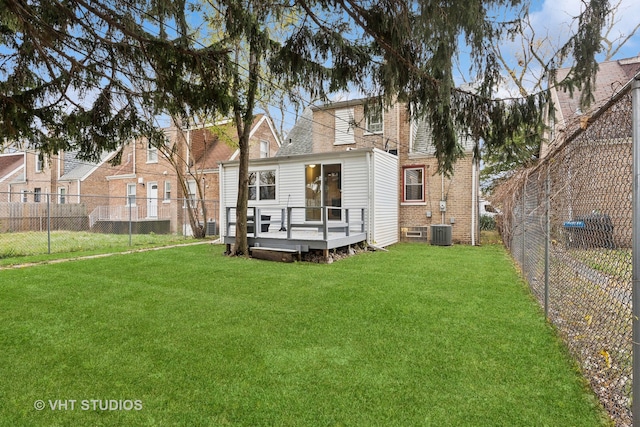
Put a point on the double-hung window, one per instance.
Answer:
(413, 184)
(131, 194)
(262, 185)
(37, 195)
(264, 149)
(152, 153)
(167, 190)
(374, 119)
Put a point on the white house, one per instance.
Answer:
(315, 201)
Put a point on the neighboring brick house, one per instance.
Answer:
(568, 118)
(426, 197)
(146, 177)
(12, 166)
(595, 146)
(27, 177)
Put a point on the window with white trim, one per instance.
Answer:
(37, 195)
(167, 190)
(262, 185)
(24, 196)
(39, 164)
(62, 195)
(264, 149)
(152, 153)
(413, 184)
(131, 194)
(374, 119)
(193, 190)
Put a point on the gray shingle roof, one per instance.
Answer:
(76, 169)
(299, 140)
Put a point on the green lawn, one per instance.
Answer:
(420, 335)
(32, 246)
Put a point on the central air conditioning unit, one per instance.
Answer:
(441, 235)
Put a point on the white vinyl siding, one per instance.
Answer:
(369, 180)
(344, 126)
(384, 226)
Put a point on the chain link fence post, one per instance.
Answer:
(636, 252)
(547, 241)
(48, 223)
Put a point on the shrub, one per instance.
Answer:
(487, 223)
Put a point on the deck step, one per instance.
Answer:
(274, 254)
(264, 248)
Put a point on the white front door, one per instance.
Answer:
(152, 200)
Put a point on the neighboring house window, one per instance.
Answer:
(191, 187)
(62, 195)
(413, 183)
(24, 196)
(264, 149)
(39, 164)
(152, 154)
(37, 192)
(262, 185)
(131, 194)
(167, 190)
(344, 124)
(374, 119)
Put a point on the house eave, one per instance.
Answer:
(307, 157)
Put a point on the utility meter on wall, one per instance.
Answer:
(443, 206)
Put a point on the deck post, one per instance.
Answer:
(289, 209)
(257, 220)
(325, 223)
(346, 215)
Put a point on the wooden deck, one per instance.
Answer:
(281, 232)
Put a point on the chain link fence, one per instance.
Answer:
(568, 225)
(34, 223)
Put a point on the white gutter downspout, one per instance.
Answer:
(474, 203)
(371, 203)
(442, 213)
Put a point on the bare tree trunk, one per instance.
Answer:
(244, 122)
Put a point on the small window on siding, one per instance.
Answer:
(262, 185)
(344, 125)
(62, 195)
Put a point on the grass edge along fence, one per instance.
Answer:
(42, 225)
(568, 224)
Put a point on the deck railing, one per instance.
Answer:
(258, 217)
